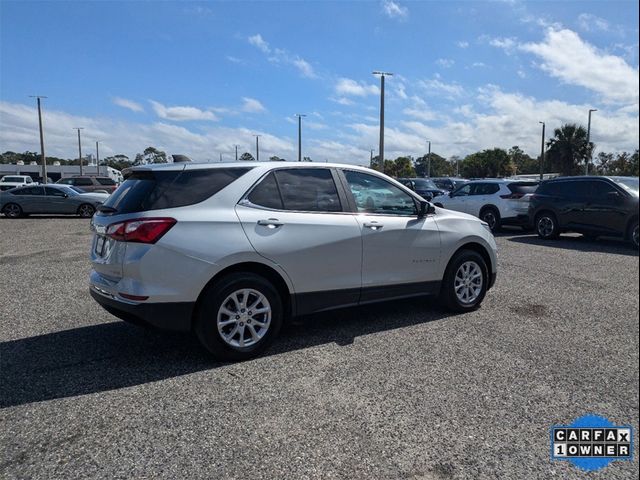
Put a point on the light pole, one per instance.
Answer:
(371, 158)
(429, 160)
(381, 149)
(300, 115)
(588, 159)
(79, 147)
(542, 153)
(236, 151)
(257, 147)
(44, 159)
(98, 157)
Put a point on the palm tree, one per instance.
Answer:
(568, 149)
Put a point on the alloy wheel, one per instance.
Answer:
(86, 211)
(468, 282)
(634, 235)
(244, 318)
(545, 226)
(490, 218)
(12, 210)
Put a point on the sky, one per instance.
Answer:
(198, 78)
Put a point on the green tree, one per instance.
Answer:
(389, 168)
(523, 163)
(568, 149)
(404, 167)
(150, 155)
(119, 162)
(492, 163)
(440, 166)
(246, 157)
(623, 163)
(275, 158)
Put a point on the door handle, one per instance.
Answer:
(270, 223)
(374, 225)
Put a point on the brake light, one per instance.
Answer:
(512, 196)
(140, 230)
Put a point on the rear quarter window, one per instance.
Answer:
(523, 188)
(106, 181)
(155, 190)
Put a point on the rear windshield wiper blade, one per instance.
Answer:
(105, 209)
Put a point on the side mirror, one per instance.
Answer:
(425, 209)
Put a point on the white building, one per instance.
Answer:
(56, 172)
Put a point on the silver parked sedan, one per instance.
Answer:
(51, 199)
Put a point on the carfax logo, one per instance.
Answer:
(591, 442)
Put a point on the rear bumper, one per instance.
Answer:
(174, 316)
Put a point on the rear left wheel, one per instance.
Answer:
(12, 210)
(239, 316)
(634, 233)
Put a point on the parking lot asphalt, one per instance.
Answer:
(396, 390)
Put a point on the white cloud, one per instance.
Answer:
(394, 10)
(462, 44)
(251, 105)
(233, 59)
(507, 44)
(566, 56)
(435, 86)
(478, 64)
(342, 101)
(181, 113)
(592, 23)
(347, 86)
(445, 62)
(129, 104)
(258, 42)
(19, 132)
(279, 55)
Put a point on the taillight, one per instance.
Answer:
(512, 196)
(140, 230)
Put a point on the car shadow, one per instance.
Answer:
(582, 244)
(115, 355)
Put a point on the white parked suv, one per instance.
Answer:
(496, 202)
(12, 181)
(232, 250)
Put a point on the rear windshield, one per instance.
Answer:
(154, 190)
(523, 187)
(13, 179)
(105, 181)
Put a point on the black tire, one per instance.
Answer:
(448, 296)
(632, 235)
(86, 211)
(546, 226)
(206, 321)
(491, 216)
(12, 210)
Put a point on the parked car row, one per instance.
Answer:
(593, 206)
(88, 183)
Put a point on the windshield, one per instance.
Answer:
(630, 184)
(423, 183)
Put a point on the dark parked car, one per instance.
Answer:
(593, 206)
(449, 183)
(423, 187)
(90, 183)
(50, 199)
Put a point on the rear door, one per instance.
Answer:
(31, 199)
(574, 195)
(295, 217)
(481, 194)
(400, 252)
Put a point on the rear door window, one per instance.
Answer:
(105, 181)
(266, 193)
(54, 192)
(153, 190)
(29, 191)
(82, 182)
(308, 190)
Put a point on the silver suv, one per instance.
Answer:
(230, 251)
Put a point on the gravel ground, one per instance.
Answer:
(397, 390)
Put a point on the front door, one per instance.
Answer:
(400, 252)
(295, 218)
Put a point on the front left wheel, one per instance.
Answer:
(634, 234)
(465, 282)
(239, 316)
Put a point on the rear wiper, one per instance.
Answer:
(105, 209)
